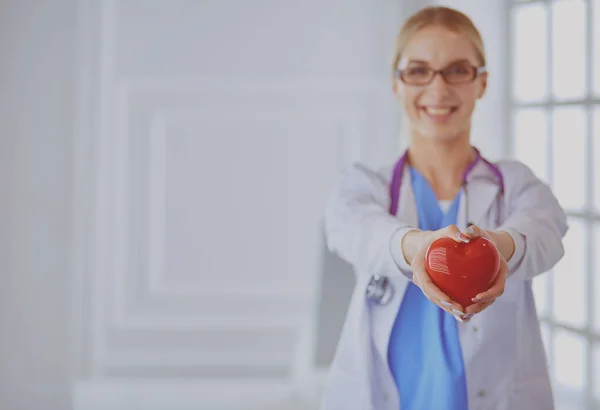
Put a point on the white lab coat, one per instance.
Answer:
(504, 358)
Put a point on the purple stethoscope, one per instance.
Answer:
(379, 288)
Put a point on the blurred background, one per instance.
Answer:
(164, 169)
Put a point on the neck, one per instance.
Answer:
(442, 163)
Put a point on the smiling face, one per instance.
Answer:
(439, 110)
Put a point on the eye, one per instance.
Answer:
(458, 69)
(417, 71)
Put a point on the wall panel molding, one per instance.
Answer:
(134, 318)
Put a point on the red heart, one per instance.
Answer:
(462, 270)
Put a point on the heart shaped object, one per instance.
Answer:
(462, 270)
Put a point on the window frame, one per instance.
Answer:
(589, 216)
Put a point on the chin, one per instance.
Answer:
(441, 135)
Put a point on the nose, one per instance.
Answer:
(438, 85)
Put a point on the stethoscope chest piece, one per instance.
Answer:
(379, 289)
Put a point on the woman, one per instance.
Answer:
(406, 344)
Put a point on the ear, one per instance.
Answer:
(396, 88)
(483, 84)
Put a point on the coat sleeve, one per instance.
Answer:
(535, 221)
(359, 228)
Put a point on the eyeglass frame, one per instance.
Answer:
(476, 73)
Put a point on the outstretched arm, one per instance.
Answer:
(530, 240)
(358, 225)
(537, 225)
(360, 229)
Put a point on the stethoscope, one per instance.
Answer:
(379, 289)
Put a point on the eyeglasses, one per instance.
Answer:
(458, 73)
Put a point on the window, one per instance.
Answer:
(555, 108)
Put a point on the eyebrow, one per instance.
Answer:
(460, 60)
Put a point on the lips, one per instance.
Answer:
(439, 113)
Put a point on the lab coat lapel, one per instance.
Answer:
(407, 208)
(383, 316)
(482, 190)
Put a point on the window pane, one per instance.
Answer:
(569, 361)
(568, 49)
(596, 147)
(596, 280)
(569, 294)
(596, 361)
(530, 43)
(569, 177)
(596, 44)
(531, 140)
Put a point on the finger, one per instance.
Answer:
(492, 293)
(464, 318)
(446, 306)
(468, 316)
(433, 293)
(443, 302)
(478, 307)
(454, 233)
(429, 289)
(418, 266)
(415, 280)
(472, 232)
(497, 288)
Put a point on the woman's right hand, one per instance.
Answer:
(414, 247)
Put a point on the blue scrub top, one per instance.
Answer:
(424, 352)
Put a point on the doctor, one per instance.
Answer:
(405, 344)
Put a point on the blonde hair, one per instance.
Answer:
(448, 18)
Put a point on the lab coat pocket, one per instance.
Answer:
(533, 394)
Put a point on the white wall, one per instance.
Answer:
(216, 131)
(325, 67)
(36, 147)
(169, 68)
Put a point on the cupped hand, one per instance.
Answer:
(485, 299)
(421, 277)
(434, 294)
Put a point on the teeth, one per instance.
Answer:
(438, 111)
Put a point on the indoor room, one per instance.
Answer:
(232, 205)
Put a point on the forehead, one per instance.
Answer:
(438, 46)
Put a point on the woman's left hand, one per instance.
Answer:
(485, 299)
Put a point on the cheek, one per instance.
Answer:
(409, 99)
(468, 101)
